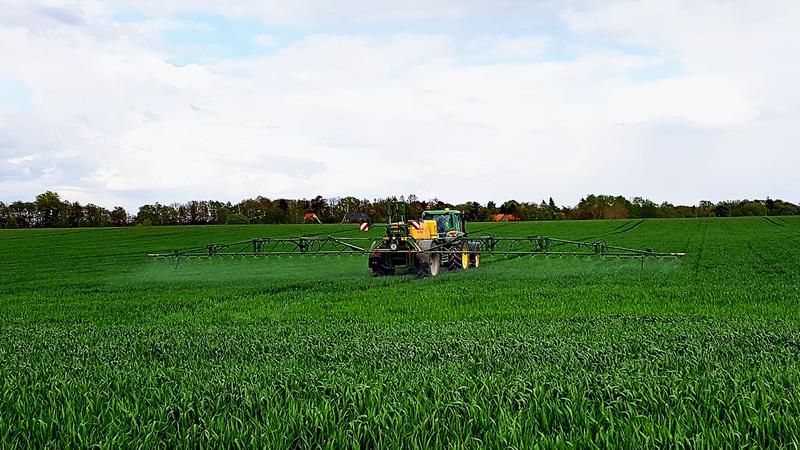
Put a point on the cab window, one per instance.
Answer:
(442, 221)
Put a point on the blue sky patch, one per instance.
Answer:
(15, 94)
(219, 37)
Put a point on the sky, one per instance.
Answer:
(136, 101)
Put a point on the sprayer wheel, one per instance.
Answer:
(458, 258)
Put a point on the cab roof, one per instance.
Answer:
(440, 212)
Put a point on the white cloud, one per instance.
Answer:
(506, 47)
(266, 40)
(746, 42)
(21, 159)
(480, 116)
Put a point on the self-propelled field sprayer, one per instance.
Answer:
(437, 240)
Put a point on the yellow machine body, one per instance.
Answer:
(426, 231)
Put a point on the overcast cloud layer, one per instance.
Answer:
(126, 102)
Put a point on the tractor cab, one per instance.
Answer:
(449, 222)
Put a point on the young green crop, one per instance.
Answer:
(100, 345)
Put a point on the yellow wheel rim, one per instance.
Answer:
(464, 258)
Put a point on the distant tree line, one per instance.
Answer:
(48, 210)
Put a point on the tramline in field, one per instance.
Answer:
(439, 239)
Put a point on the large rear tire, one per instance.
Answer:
(459, 257)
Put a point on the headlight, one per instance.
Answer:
(393, 246)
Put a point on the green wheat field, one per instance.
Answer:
(102, 346)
